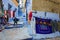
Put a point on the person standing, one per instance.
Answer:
(29, 16)
(15, 20)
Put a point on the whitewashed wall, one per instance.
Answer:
(49, 15)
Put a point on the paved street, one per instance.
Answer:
(14, 34)
(23, 32)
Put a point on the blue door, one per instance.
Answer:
(43, 26)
